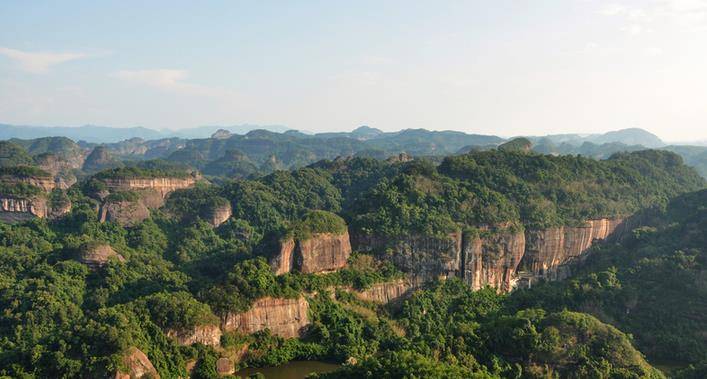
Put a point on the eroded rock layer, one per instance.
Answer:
(209, 335)
(491, 259)
(548, 249)
(163, 186)
(284, 317)
(322, 252)
(384, 293)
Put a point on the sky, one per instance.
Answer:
(491, 67)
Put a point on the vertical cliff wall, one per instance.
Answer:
(548, 249)
(497, 257)
(163, 186)
(284, 317)
(321, 252)
(491, 258)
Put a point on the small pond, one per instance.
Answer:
(290, 370)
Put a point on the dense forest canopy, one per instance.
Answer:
(175, 271)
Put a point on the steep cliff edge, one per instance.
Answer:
(421, 257)
(490, 258)
(322, 252)
(319, 243)
(495, 257)
(209, 335)
(163, 186)
(548, 250)
(136, 365)
(284, 317)
(387, 292)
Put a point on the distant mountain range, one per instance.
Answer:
(237, 151)
(106, 134)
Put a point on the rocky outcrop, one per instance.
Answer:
(421, 257)
(549, 249)
(284, 317)
(225, 366)
(209, 335)
(384, 293)
(136, 365)
(163, 186)
(490, 258)
(283, 260)
(496, 256)
(97, 255)
(100, 159)
(34, 207)
(219, 214)
(322, 252)
(125, 213)
(45, 183)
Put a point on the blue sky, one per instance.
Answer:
(495, 67)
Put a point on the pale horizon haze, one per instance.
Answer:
(489, 67)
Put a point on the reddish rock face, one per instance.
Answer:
(284, 317)
(45, 183)
(138, 366)
(551, 248)
(384, 293)
(283, 261)
(225, 366)
(322, 252)
(220, 214)
(125, 213)
(163, 186)
(492, 260)
(35, 207)
(421, 257)
(209, 335)
(97, 256)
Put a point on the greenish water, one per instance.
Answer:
(290, 370)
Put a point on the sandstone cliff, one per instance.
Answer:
(137, 366)
(163, 186)
(549, 249)
(384, 293)
(497, 257)
(209, 335)
(96, 255)
(421, 257)
(284, 317)
(321, 252)
(219, 214)
(491, 258)
(282, 262)
(23, 209)
(125, 213)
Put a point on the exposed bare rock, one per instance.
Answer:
(322, 252)
(45, 183)
(491, 259)
(384, 293)
(163, 186)
(23, 209)
(220, 214)
(137, 365)
(421, 257)
(125, 213)
(204, 334)
(400, 158)
(222, 134)
(284, 317)
(282, 262)
(151, 198)
(225, 366)
(96, 255)
(549, 249)
(100, 158)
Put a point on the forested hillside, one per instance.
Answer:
(394, 267)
